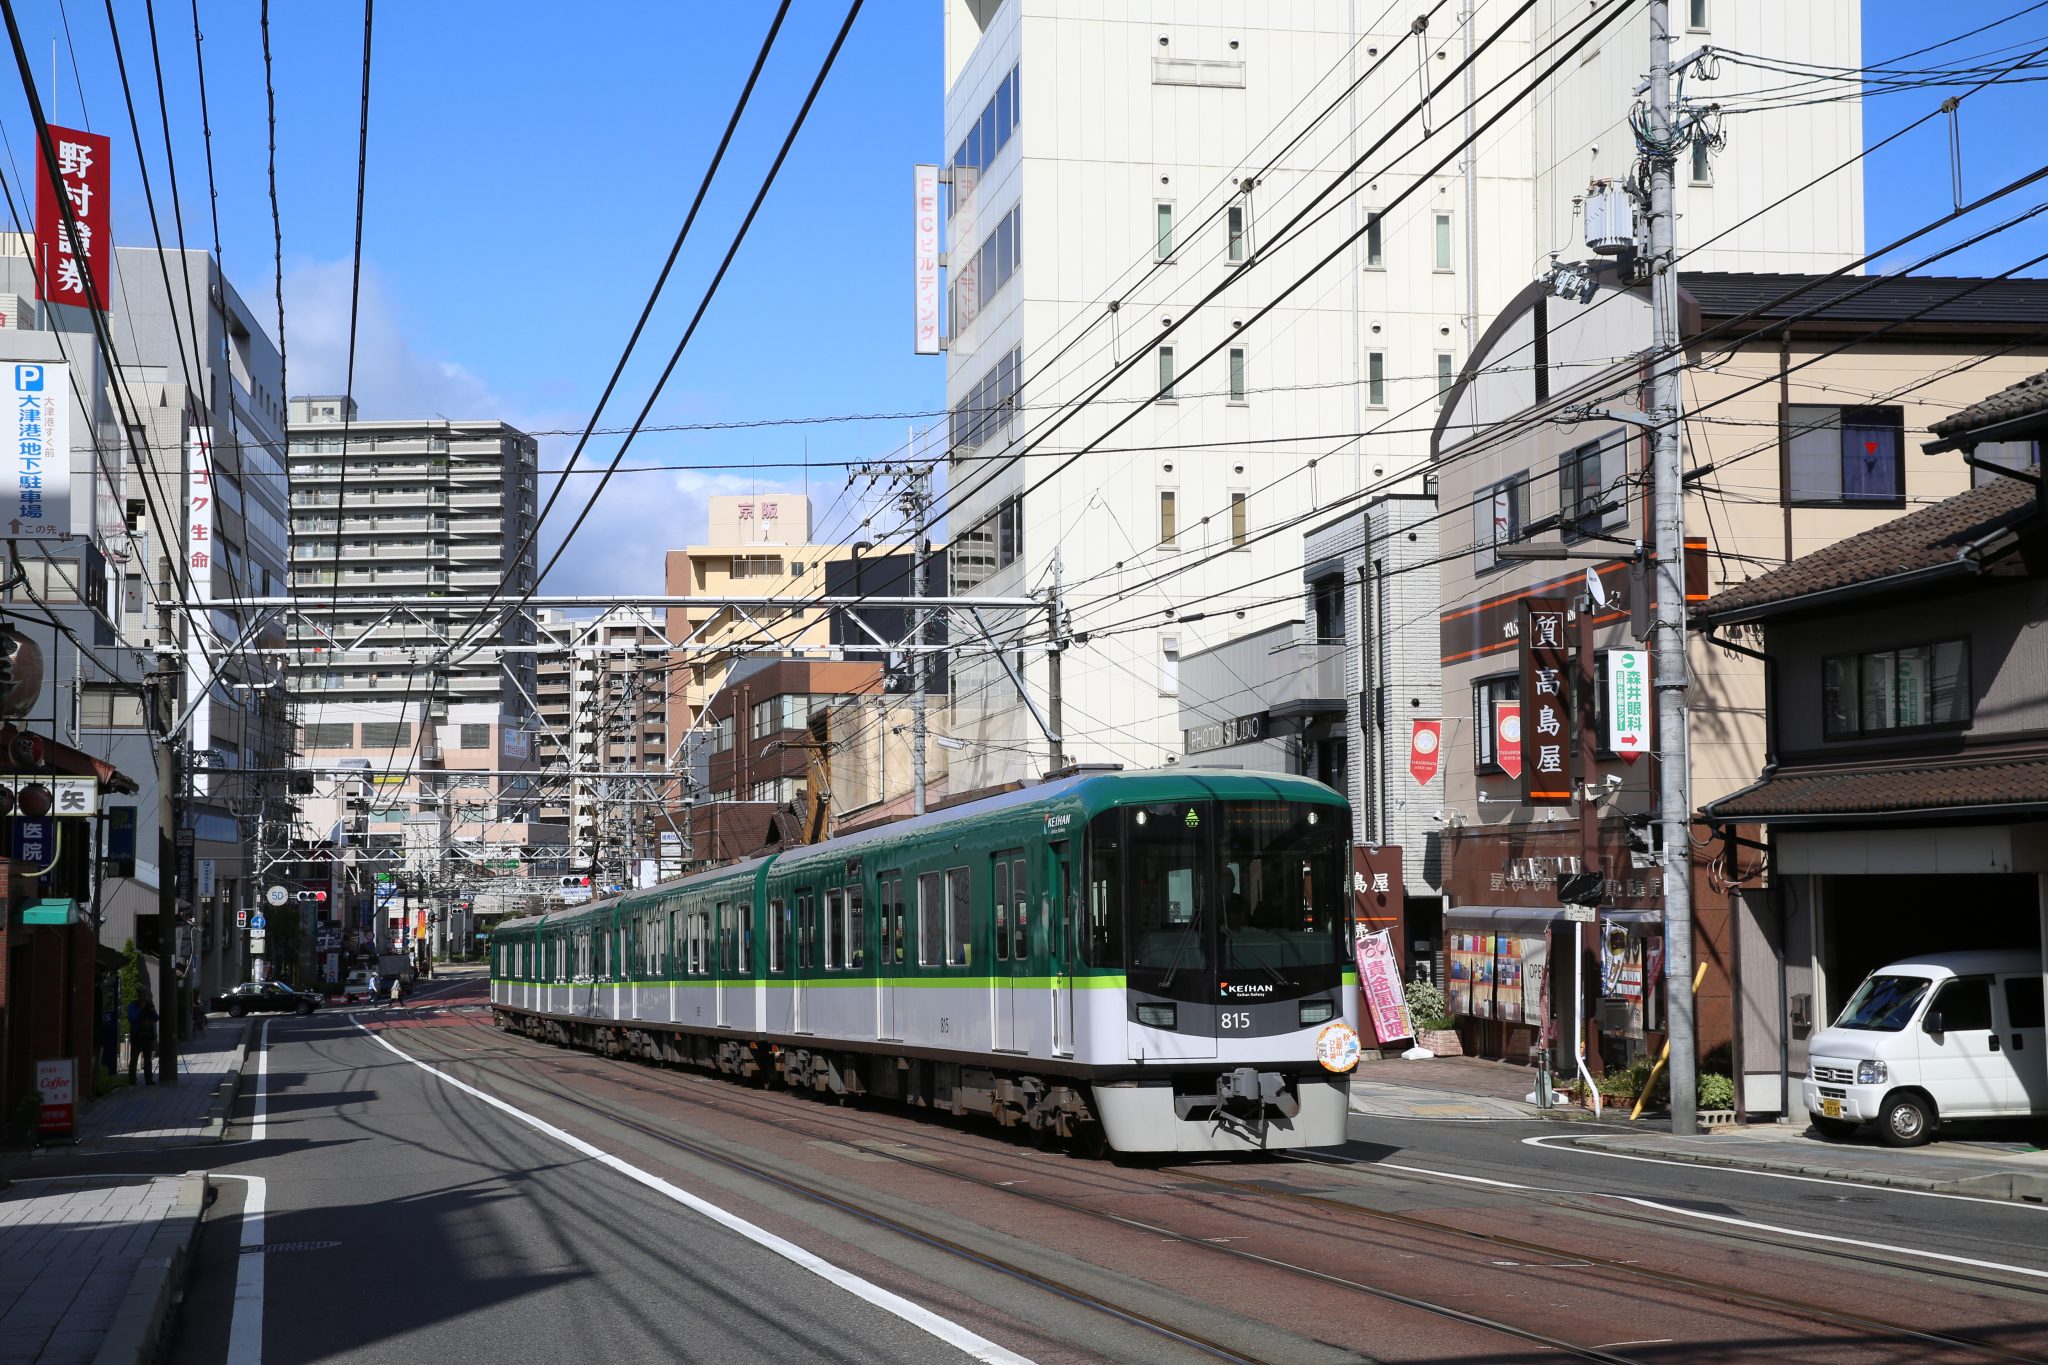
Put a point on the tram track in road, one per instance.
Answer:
(756, 1106)
(1727, 1293)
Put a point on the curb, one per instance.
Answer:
(144, 1314)
(2022, 1187)
(230, 1089)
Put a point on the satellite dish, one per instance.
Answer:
(1596, 591)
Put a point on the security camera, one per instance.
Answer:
(1614, 782)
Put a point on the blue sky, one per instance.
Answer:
(528, 173)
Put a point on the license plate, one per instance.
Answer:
(1831, 1109)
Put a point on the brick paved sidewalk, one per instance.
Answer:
(87, 1262)
(142, 1118)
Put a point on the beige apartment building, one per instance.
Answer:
(1807, 399)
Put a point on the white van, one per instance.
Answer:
(1938, 1037)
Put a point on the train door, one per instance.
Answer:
(723, 927)
(1011, 956)
(1058, 899)
(888, 953)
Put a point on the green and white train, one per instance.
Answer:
(1153, 961)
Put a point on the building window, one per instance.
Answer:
(1237, 521)
(474, 737)
(1485, 743)
(1234, 217)
(1328, 602)
(757, 566)
(1846, 456)
(1169, 519)
(1443, 241)
(1162, 245)
(1237, 388)
(1911, 688)
(1497, 519)
(1375, 379)
(1590, 493)
(105, 706)
(721, 735)
(1169, 665)
(1165, 394)
(1375, 255)
(982, 274)
(328, 735)
(1702, 170)
(987, 136)
(985, 412)
(386, 735)
(1446, 375)
(2022, 457)
(1696, 14)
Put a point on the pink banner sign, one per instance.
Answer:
(1379, 981)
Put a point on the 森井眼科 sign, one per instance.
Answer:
(1628, 702)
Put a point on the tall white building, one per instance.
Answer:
(1114, 164)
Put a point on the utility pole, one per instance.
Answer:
(1055, 650)
(1669, 659)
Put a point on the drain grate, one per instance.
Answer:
(271, 1248)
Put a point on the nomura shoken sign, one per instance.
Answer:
(1548, 733)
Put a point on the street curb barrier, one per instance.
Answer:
(230, 1088)
(2023, 1187)
(144, 1316)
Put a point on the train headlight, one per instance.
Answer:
(1157, 1016)
(1317, 1012)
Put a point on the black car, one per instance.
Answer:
(272, 996)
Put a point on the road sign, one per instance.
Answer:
(1628, 702)
(277, 895)
(1580, 914)
(241, 919)
(256, 943)
(258, 923)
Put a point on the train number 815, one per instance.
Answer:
(1235, 1019)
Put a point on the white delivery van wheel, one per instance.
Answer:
(1906, 1120)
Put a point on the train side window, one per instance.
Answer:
(856, 935)
(778, 935)
(890, 889)
(931, 919)
(1103, 944)
(833, 929)
(1020, 940)
(960, 917)
(1002, 909)
(743, 927)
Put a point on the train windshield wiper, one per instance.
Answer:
(1180, 948)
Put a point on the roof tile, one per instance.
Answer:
(1889, 789)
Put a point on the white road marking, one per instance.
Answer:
(1544, 1141)
(245, 1329)
(259, 1126)
(1740, 1222)
(945, 1329)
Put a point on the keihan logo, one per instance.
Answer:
(1193, 821)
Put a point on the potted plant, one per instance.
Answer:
(1431, 1015)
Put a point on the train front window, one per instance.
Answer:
(1282, 884)
(1167, 886)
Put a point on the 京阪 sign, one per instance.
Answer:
(1628, 702)
(1547, 728)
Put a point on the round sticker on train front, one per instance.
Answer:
(1337, 1047)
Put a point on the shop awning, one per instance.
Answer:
(1534, 919)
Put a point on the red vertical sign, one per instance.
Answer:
(1507, 736)
(81, 177)
(1423, 744)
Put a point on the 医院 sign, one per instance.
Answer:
(1628, 702)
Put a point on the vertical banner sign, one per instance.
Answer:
(1379, 981)
(36, 498)
(1628, 702)
(1507, 737)
(1423, 743)
(1549, 738)
(200, 549)
(82, 178)
(924, 197)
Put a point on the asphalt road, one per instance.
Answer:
(430, 1188)
(406, 1221)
